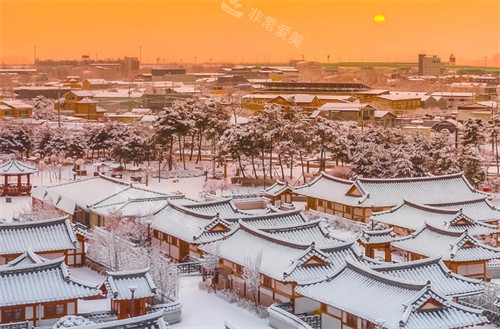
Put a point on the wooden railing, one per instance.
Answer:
(15, 325)
(279, 318)
(189, 268)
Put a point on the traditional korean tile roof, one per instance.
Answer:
(443, 280)
(330, 188)
(283, 259)
(118, 284)
(214, 230)
(305, 232)
(276, 189)
(41, 282)
(413, 216)
(37, 236)
(397, 303)
(148, 321)
(387, 192)
(102, 195)
(376, 236)
(277, 219)
(451, 245)
(180, 222)
(224, 207)
(478, 209)
(28, 257)
(14, 167)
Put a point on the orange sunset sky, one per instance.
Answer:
(175, 30)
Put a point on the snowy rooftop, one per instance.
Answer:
(412, 216)
(376, 236)
(82, 93)
(451, 245)
(225, 208)
(14, 167)
(433, 269)
(452, 94)
(399, 97)
(148, 321)
(277, 188)
(406, 304)
(38, 236)
(478, 209)
(14, 281)
(384, 192)
(283, 258)
(118, 284)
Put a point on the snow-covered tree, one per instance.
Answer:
(470, 162)
(251, 274)
(43, 109)
(473, 132)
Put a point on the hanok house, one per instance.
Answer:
(358, 199)
(179, 229)
(289, 256)
(279, 193)
(130, 292)
(40, 291)
(462, 253)
(444, 281)
(408, 217)
(387, 302)
(52, 238)
(13, 173)
(377, 240)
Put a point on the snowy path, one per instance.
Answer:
(201, 309)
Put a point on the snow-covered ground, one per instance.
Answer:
(200, 309)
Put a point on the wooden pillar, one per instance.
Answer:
(388, 255)
(28, 176)
(6, 180)
(19, 181)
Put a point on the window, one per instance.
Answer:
(320, 203)
(239, 269)
(267, 281)
(12, 315)
(54, 310)
(173, 241)
(351, 320)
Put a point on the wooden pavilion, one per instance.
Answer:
(13, 187)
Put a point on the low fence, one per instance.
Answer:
(189, 267)
(171, 311)
(281, 319)
(15, 325)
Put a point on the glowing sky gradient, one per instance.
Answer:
(175, 30)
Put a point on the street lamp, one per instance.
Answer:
(132, 291)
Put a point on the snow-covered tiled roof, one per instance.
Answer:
(97, 81)
(28, 257)
(86, 100)
(37, 236)
(412, 216)
(386, 192)
(275, 219)
(119, 284)
(14, 167)
(282, 259)
(276, 189)
(214, 230)
(180, 222)
(397, 303)
(224, 207)
(43, 282)
(433, 269)
(422, 190)
(305, 233)
(148, 321)
(451, 245)
(478, 209)
(330, 188)
(376, 236)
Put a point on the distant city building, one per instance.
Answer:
(131, 63)
(429, 65)
(15, 108)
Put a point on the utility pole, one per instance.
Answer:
(59, 105)
(34, 55)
